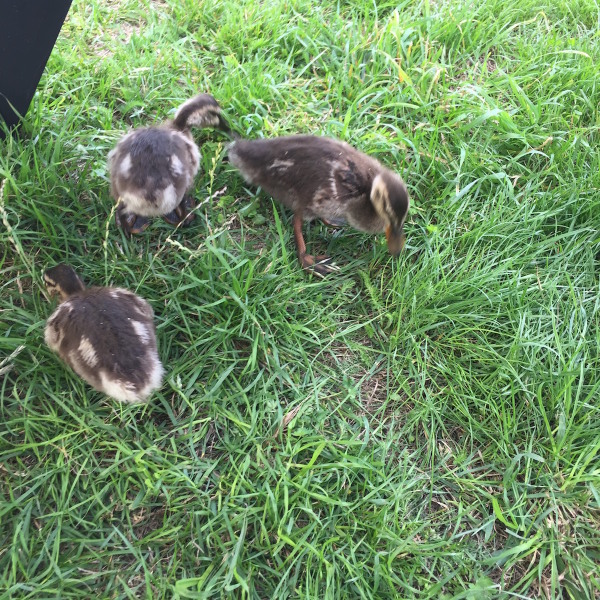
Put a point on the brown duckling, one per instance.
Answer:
(323, 178)
(105, 334)
(152, 168)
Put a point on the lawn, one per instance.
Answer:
(426, 426)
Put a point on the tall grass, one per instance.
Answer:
(420, 427)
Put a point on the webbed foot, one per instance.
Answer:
(172, 218)
(320, 265)
(184, 210)
(131, 223)
(182, 214)
(336, 224)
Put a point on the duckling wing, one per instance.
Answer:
(107, 336)
(151, 169)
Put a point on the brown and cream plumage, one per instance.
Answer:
(105, 334)
(322, 178)
(152, 168)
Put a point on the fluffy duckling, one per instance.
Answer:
(152, 168)
(105, 334)
(323, 178)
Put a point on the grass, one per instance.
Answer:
(420, 427)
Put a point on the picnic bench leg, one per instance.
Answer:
(28, 31)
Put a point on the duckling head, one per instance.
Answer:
(201, 111)
(390, 199)
(62, 281)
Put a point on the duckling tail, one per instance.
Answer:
(201, 111)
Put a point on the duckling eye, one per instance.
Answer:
(50, 285)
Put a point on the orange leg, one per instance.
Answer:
(321, 265)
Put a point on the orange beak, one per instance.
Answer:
(395, 240)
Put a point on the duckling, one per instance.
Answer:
(152, 168)
(322, 178)
(105, 334)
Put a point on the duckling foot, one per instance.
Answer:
(320, 265)
(182, 214)
(172, 218)
(184, 210)
(140, 224)
(333, 223)
(132, 223)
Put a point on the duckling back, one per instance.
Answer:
(318, 175)
(107, 336)
(152, 168)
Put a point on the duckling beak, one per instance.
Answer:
(224, 125)
(395, 240)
